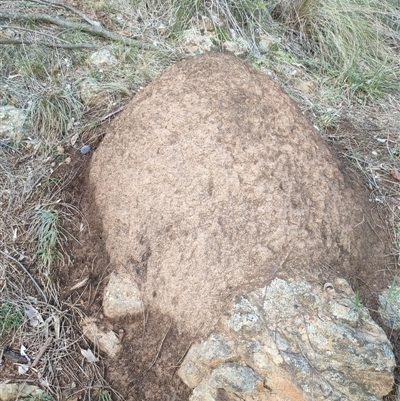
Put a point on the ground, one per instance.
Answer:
(350, 95)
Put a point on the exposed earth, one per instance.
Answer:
(209, 184)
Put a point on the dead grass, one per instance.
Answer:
(340, 61)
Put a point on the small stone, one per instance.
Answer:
(85, 149)
(11, 123)
(122, 297)
(107, 341)
(103, 59)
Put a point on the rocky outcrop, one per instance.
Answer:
(292, 341)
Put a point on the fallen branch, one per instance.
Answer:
(48, 44)
(93, 30)
(69, 8)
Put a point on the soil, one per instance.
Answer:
(183, 303)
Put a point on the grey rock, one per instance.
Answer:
(297, 341)
(85, 149)
(17, 391)
(122, 297)
(93, 95)
(103, 59)
(11, 123)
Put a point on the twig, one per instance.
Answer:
(26, 272)
(41, 351)
(94, 30)
(112, 113)
(48, 44)
(159, 349)
(69, 8)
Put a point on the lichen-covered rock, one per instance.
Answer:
(11, 123)
(19, 391)
(121, 297)
(103, 59)
(212, 180)
(299, 342)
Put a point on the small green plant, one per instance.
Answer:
(104, 395)
(11, 317)
(47, 232)
(356, 303)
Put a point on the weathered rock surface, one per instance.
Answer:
(293, 341)
(11, 123)
(103, 59)
(106, 340)
(17, 391)
(211, 182)
(121, 297)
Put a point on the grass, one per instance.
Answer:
(356, 303)
(52, 113)
(50, 237)
(393, 292)
(11, 317)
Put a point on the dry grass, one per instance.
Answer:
(340, 60)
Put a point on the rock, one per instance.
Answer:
(85, 149)
(11, 123)
(235, 378)
(122, 297)
(211, 181)
(389, 307)
(266, 43)
(235, 47)
(92, 95)
(196, 42)
(106, 340)
(17, 391)
(295, 341)
(103, 59)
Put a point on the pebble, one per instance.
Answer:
(85, 149)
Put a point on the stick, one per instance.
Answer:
(48, 44)
(41, 351)
(69, 8)
(94, 30)
(28, 274)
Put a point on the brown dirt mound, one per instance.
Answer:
(208, 185)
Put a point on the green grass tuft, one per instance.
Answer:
(50, 237)
(11, 317)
